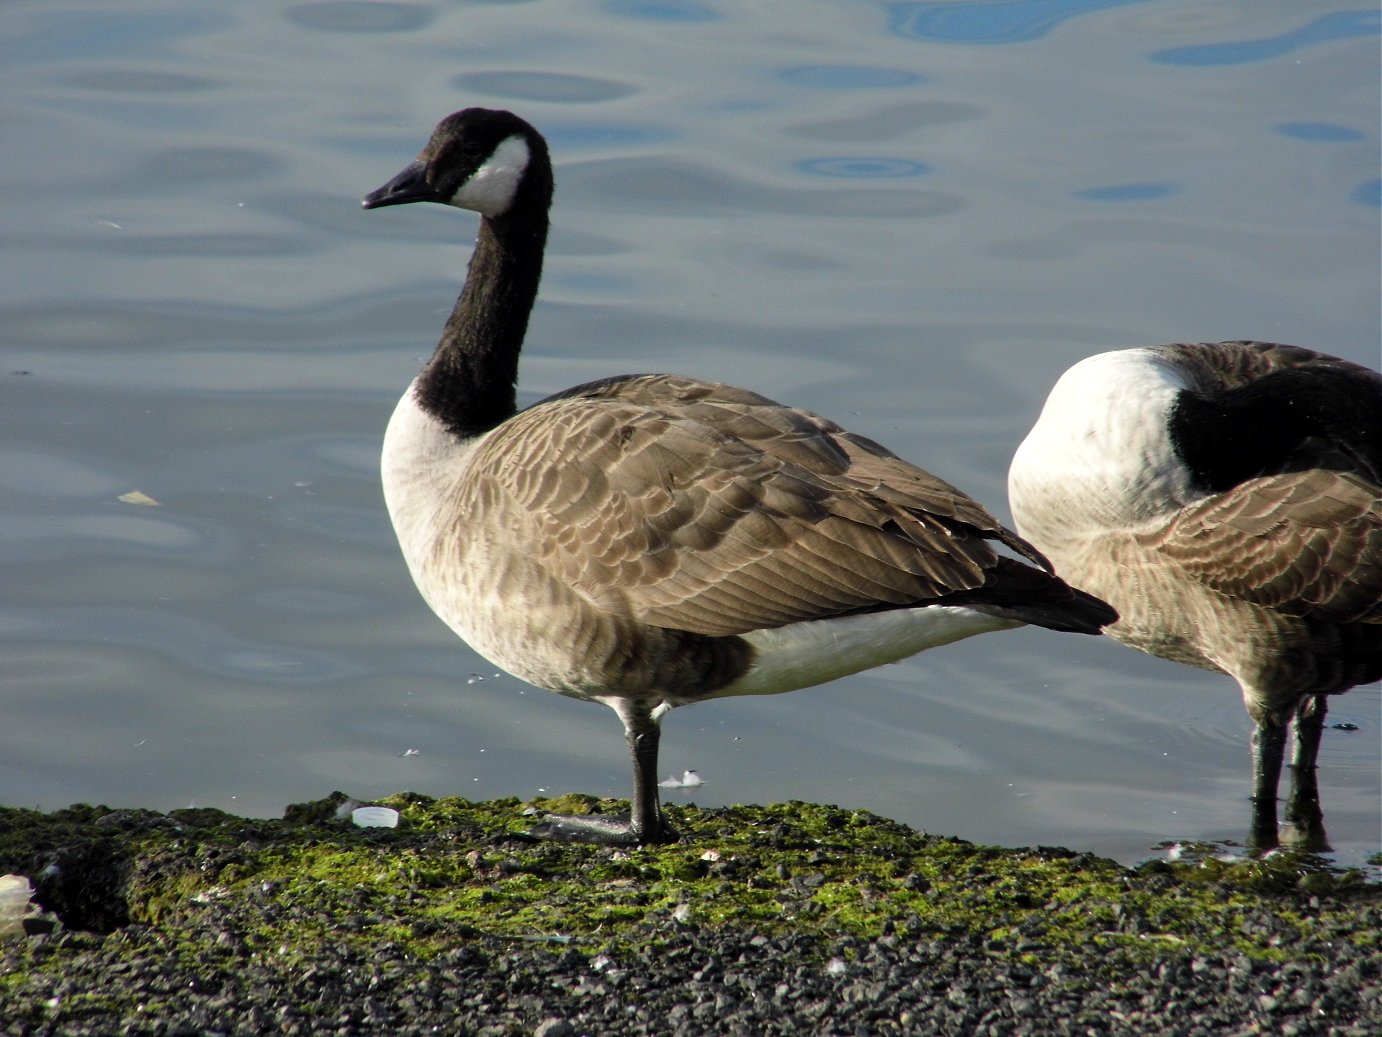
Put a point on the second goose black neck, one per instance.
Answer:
(1230, 436)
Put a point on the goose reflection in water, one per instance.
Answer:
(1224, 498)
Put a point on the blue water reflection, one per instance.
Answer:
(1369, 193)
(990, 21)
(862, 168)
(663, 10)
(199, 646)
(1127, 192)
(850, 77)
(97, 33)
(139, 81)
(597, 135)
(1340, 25)
(1326, 132)
(543, 86)
(364, 16)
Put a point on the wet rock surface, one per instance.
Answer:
(793, 919)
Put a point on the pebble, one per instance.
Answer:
(728, 983)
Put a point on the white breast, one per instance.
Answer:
(421, 465)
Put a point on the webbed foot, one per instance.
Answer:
(600, 829)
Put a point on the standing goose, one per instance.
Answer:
(1225, 498)
(649, 541)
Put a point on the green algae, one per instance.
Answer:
(454, 871)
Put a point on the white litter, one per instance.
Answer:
(15, 904)
(138, 497)
(375, 817)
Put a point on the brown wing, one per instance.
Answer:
(697, 506)
(1307, 543)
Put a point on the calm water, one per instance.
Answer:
(909, 216)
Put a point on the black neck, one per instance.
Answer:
(469, 382)
(1228, 437)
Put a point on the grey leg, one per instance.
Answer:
(1268, 747)
(1303, 814)
(645, 823)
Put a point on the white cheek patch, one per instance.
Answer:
(491, 188)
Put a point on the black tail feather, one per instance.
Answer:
(1020, 592)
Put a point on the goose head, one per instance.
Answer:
(485, 160)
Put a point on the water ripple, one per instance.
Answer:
(1003, 21)
(663, 186)
(136, 80)
(1320, 131)
(663, 10)
(96, 34)
(850, 77)
(200, 646)
(361, 16)
(1337, 26)
(1369, 193)
(544, 86)
(199, 166)
(863, 168)
(607, 135)
(1127, 192)
(887, 122)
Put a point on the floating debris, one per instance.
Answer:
(688, 780)
(410, 752)
(139, 497)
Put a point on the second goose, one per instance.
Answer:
(648, 541)
(1227, 498)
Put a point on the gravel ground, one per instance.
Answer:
(692, 984)
(205, 967)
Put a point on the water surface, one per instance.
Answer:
(910, 217)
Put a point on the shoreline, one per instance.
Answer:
(792, 918)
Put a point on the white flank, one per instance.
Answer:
(491, 188)
(801, 655)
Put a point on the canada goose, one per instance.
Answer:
(1224, 497)
(647, 541)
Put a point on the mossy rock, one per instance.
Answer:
(455, 869)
